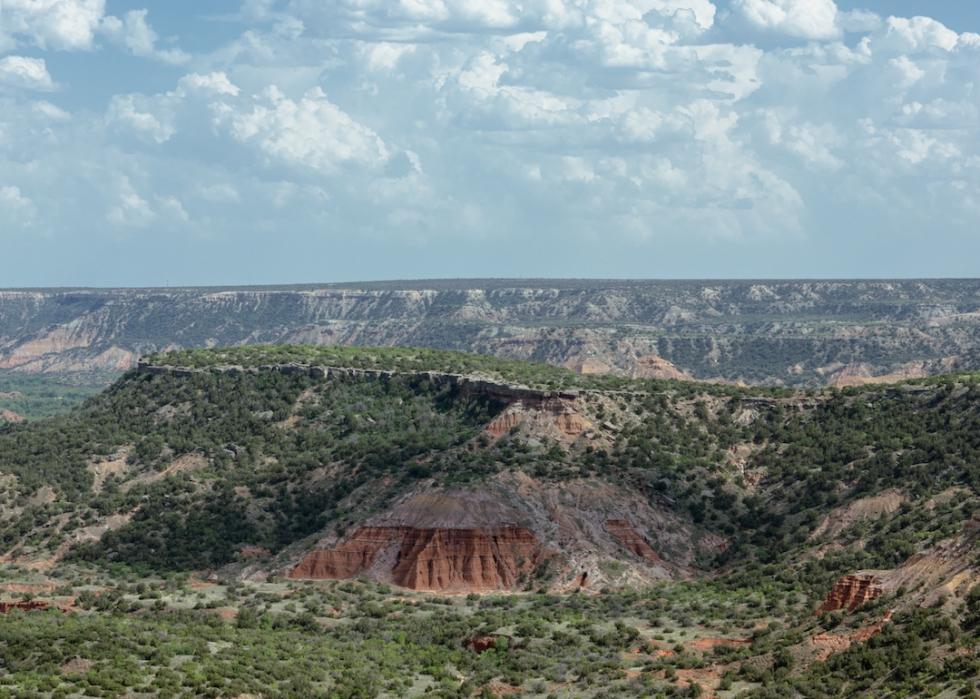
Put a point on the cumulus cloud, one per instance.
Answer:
(142, 117)
(134, 33)
(310, 132)
(413, 120)
(17, 209)
(806, 19)
(30, 73)
(51, 24)
(76, 25)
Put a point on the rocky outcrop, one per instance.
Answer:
(505, 422)
(466, 559)
(551, 418)
(850, 592)
(434, 559)
(349, 559)
(632, 541)
(654, 367)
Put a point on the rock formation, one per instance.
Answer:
(436, 559)
(850, 592)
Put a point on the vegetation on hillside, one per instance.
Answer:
(208, 462)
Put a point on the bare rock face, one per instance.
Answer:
(436, 559)
(558, 418)
(654, 367)
(850, 592)
(625, 534)
(469, 559)
(504, 423)
(348, 559)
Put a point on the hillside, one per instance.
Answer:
(794, 333)
(747, 540)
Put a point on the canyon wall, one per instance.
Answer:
(783, 332)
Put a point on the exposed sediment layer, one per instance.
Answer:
(632, 541)
(850, 592)
(434, 559)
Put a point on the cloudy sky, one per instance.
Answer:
(269, 141)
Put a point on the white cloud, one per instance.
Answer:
(135, 113)
(135, 34)
(642, 119)
(130, 210)
(21, 71)
(216, 83)
(51, 112)
(51, 24)
(311, 132)
(914, 35)
(17, 210)
(806, 19)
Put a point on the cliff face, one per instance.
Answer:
(779, 332)
(850, 592)
(436, 559)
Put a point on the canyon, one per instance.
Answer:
(673, 533)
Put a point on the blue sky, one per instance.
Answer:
(274, 141)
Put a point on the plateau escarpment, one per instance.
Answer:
(772, 332)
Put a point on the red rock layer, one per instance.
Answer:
(432, 559)
(24, 606)
(347, 560)
(504, 423)
(624, 533)
(850, 592)
(480, 644)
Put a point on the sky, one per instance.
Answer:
(302, 141)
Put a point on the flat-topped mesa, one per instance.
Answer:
(850, 592)
(467, 385)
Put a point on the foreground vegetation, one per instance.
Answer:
(180, 637)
